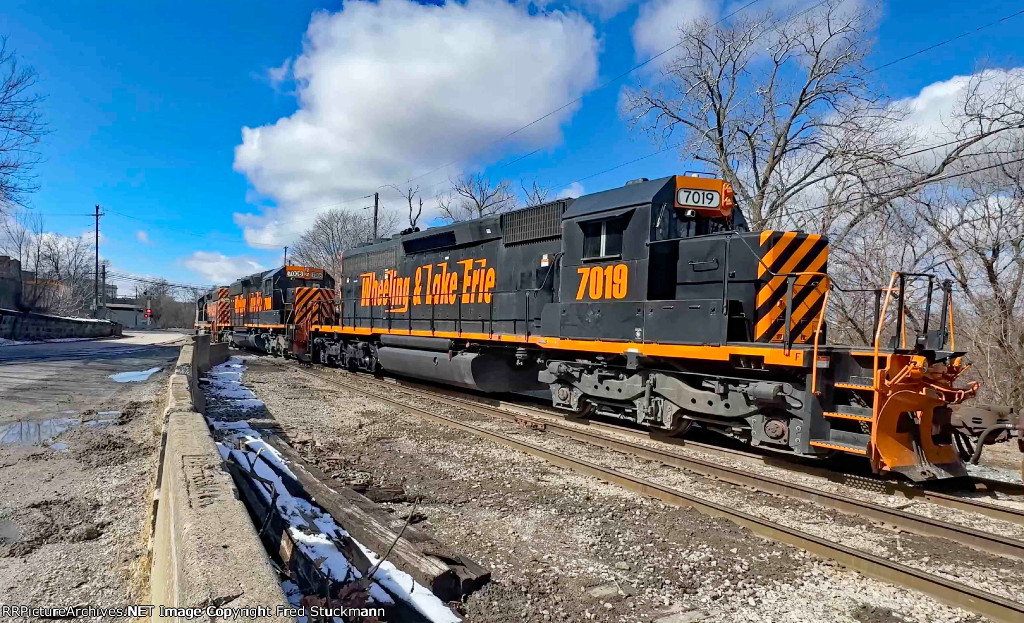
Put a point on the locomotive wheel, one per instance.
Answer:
(679, 428)
(586, 410)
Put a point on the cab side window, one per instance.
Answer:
(603, 238)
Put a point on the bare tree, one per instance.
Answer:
(173, 305)
(20, 238)
(411, 194)
(21, 127)
(767, 100)
(474, 196)
(535, 194)
(978, 230)
(781, 107)
(336, 231)
(64, 273)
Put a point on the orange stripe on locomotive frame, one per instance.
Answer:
(771, 355)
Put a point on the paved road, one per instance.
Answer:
(41, 381)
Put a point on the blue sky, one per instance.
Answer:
(146, 102)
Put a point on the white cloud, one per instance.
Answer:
(277, 75)
(657, 25)
(89, 236)
(602, 9)
(143, 237)
(221, 269)
(572, 190)
(935, 113)
(658, 22)
(390, 90)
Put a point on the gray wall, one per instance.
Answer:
(18, 326)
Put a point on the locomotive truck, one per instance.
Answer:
(651, 303)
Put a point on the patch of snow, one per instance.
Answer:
(303, 517)
(6, 342)
(294, 596)
(993, 473)
(134, 377)
(28, 432)
(225, 385)
(421, 598)
(59, 446)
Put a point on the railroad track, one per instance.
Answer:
(869, 483)
(954, 593)
(556, 422)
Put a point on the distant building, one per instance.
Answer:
(110, 292)
(128, 314)
(10, 282)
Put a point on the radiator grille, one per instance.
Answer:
(372, 262)
(535, 223)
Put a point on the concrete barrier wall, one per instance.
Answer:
(30, 326)
(206, 551)
(218, 353)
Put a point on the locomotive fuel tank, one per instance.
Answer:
(487, 372)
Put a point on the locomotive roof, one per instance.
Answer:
(489, 227)
(626, 196)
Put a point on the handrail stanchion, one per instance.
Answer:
(817, 335)
(878, 336)
(790, 279)
(527, 330)
(900, 304)
(928, 307)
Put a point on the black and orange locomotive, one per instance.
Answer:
(651, 303)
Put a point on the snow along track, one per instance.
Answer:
(313, 531)
(954, 593)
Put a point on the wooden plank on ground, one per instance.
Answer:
(433, 565)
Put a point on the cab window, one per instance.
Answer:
(603, 238)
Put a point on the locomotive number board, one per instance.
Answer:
(698, 198)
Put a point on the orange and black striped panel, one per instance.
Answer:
(313, 306)
(782, 253)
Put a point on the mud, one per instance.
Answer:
(73, 509)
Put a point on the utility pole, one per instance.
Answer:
(376, 206)
(149, 308)
(286, 256)
(96, 275)
(104, 295)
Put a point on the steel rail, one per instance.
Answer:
(911, 522)
(954, 593)
(877, 485)
(869, 483)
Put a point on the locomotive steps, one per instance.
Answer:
(969, 597)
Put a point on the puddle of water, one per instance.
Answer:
(10, 532)
(27, 432)
(134, 377)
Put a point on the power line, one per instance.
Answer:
(156, 281)
(917, 184)
(603, 85)
(615, 79)
(966, 33)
